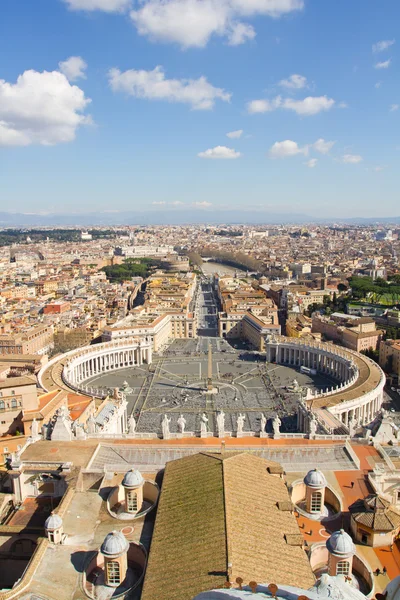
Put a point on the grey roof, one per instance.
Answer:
(115, 544)
(315, 478)
(106, 412)
(132, 479)
(53, 522)
(340, 543)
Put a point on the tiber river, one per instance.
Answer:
(209, 268)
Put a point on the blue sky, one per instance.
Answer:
(312, 85)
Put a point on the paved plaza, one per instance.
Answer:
(176, 380)
(293, 459)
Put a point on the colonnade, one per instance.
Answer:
(340, 364)
(102, 358)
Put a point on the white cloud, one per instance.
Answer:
(262, 106)
(383, 45)
(177, 203)
(379, 168)
(219, 152)
(351, 159)
(394, 107)
(234, 135)
(161, 203)
(240, 33)
(109, 6)
(193, 22)
(73, 68)
(203, 204)
(309, 106)
(312, 163)
(378, 84)
(40, 108)
(343, 105)
(286, 149)
(153, 85)
(383, 65)
(322, 146)
(294, 82)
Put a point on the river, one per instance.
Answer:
(209, 268)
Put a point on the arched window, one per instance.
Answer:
(316, 502)
(113, 572)
(343, 567)
(13, 403)
(2, 405)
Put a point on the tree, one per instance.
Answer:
(342, 287)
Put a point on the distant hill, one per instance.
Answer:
(178, 217)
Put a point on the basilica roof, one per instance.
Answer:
(217, 510)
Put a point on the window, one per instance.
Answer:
(113, 572)
(316, 502)
(398, 496)
(2, 405)
(342, 568)
(364, 538)
(132, 502)
(14, 403)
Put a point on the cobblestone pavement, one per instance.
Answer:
(176, 380)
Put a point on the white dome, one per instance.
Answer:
(341, 544)
(53, 522)
(315, 479)
(393, 589)
(115, 544)
(132, 479)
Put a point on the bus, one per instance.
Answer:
(308, 371)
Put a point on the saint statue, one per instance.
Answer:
(240, 423)
(276, 423)
(203, 423)
(181, 424)
(313, 425)
(34, 428)
(132, 424)
(263, 423)
(165, 427)
(221, 422)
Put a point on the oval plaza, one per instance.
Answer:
(351, 394)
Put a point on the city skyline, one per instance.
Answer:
(185, 108)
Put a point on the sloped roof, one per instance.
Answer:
(376, 513)
(220, 509)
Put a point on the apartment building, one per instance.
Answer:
(35, 340)
(389, 357)
(356, 333)
(17, 394)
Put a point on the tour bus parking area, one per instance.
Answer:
(175, 383)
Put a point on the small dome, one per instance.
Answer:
(115, 544)
(53, 522)
(132, 479)
(341, 544)
(315, 479)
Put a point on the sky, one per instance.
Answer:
(261, 106)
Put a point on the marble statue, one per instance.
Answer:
(91, 424)
(181, 424)
(352, 427)
(276, 423)
(240, 423)
(203, 424)
(131, 425)
(165, 428)
(221, 423)
(34, 428)
(313, 425)
(263, 423)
